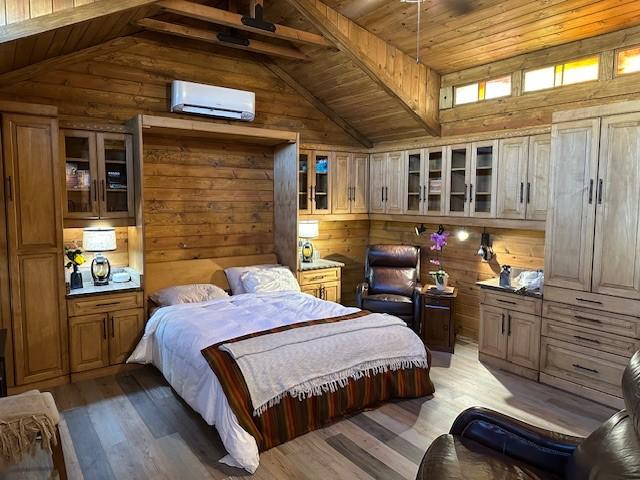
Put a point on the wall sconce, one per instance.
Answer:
(421, 230)
(486, 248)
(462, 235)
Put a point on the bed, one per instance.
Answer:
(177, 337)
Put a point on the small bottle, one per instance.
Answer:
(505, 276)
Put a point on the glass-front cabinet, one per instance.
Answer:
(433, 190)
(415, 182)
(98, 176)
(314, 182)
(459, 163)
(484, 178)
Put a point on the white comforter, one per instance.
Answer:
(174, 337)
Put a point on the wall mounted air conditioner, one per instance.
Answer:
(188, 97)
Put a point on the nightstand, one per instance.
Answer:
(322, 279)
(437, 327)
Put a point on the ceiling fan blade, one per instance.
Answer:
(460, 7)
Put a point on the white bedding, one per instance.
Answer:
(175, 335)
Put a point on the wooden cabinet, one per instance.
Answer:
(34, 238)
(99, 176)
(483, 179)
(571, 215)
(437, 326)
(323, 283)
(458, 179)
(387, 183)
(415, 182)
(523, 177)
(350, 183)
(424, 181)
(107, 336)
(510, 334)
(314, 180)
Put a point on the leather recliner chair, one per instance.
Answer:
(484, 444)
(392, 282)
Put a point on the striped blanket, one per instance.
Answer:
(292, 417)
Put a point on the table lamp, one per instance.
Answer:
(308, 229)
(99, 240)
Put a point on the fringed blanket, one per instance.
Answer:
(289, 380)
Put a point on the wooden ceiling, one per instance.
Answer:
(494, 30)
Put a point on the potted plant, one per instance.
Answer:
(75, 259)
(439, 241)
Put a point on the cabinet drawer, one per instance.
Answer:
(590, 338)
(587, 317)
(594, 301)
(597, 370)
(510, 301)
(104, 303)
(319, 276)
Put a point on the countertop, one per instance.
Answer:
(319, 263)
(494, 284)
(91, 289)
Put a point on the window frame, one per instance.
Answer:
(616, 53)
(555, 66)
(482, 87)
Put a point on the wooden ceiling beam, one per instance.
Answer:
(211, 36)
(66, 17)
(318, 104)
(415, 86)
(234, 20)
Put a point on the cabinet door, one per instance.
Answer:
(321, 187)
(436, 324)
(34, 230)
(341, 184)
(537, 191)
(125, 329)
(394, 188)
(88, 343)
(616, 258)
(571, 212)
(433, 190)
(458, 163)
(81, 174)
(414, 180)
(484, 179)
(512, 177)
(115, 164)
(493, 335)
(331, 292)
(523, 333)
(360, 183)
(377, 182)
(313, 290)
(305, 172)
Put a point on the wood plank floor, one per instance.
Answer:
(134, 426)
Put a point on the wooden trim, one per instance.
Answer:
(234, 20)
(508, 366)
(631, 106)
(333, 148)
(462, 221)
(211, 36)
(104, 372)
(153, 124)
(8, 106)
(336, 217)
(44, 385)
(66, 17)
(586, 392)
(318, 104)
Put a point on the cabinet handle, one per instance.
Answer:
(382, 194)
(528, 192)
(578, 337)
(95, 190)
(465, 193)
(580, 367)
(521, 192)
(591, 191)
(113, 327)
(470, 192)
(386, 194)
(502, 324)
(9, 189)
(580, 317)
(106, 304)
(424, 193)
(104, 328)
(600, 184)
(318, 277)
(588, 301)
(506, 301)
(509, 325)
(104, 191)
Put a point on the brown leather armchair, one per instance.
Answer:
(484, 445)
(392, 282)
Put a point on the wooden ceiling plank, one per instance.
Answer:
(211, 36)
(63, 18)
(318, 104)
(352, 40)
(234, 20)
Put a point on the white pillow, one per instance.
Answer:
(278, 279)
(234, 273)
(188, 294)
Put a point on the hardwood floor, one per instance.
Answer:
(134, 426)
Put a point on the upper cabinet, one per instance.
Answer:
(459, 173)
(99, 176)
(387, 183)
(350, 183)
(314, 182)
(424, 174)
(484, 179)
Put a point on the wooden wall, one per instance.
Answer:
(346, 242)
(206, 200)
(518, 248)
(117, 258)
(12, 11)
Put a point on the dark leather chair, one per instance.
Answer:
(484, 444)
(392, 282)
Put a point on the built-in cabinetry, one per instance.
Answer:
(350, 183)
(592, 252)
(424, 177)
(510, 332)
(387, 186)
(104, 329)
(99, 176)
(314, 182)
(322, 279)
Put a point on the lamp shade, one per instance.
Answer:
(99, 239)
(308, 229)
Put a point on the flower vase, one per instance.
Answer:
(75, 281)
(441, 278)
